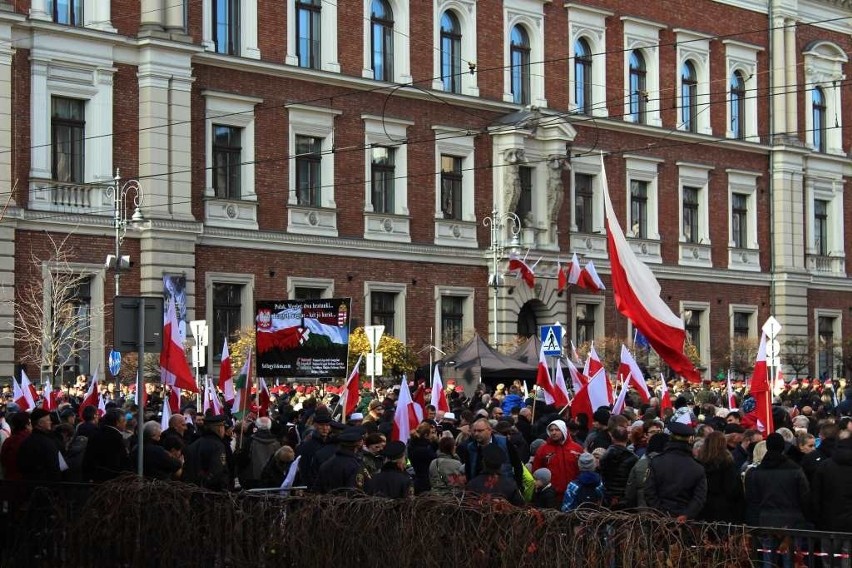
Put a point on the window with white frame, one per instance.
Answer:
(453, 315)
(693, 181)
(696, 323)
(523, 55)
(386, 41)
(642, 197)
(828, 328)
(385, 305)
(94, 14)
(587, 210)
(642, 71)
(743, 249)
(743, 321)
(68, 137)
(68, 12)
(741, 67)
(230, 130)
(825, 219)
(299, 288)
(588, 318)
(311, 138)
(823, 68)
(387, 156)
(693, 51)
(230, 305)
(455, 51)
(454, 188)
(312, 34)
(229, 27)
(587, 57)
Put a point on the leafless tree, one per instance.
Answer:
(797, 355)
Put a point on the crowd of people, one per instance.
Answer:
(698, 460)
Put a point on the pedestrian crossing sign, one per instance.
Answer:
(551, 340)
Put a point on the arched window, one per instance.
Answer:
(450, 52)
(520, 65)
(819, 118)
(638, 87)
(738, 106)
(583, 76)
(688, 97)
(381, 38)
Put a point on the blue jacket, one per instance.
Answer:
(512, 401)
(474, 468)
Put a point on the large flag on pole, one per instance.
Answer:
(351, 391)
(637, 296)
(22, 397)
(226, 374)
(552, 395)
(761, 391)
(559, 383)
(91, 398)
(29, 390)
(405, 418)
(438, 396)
(632, 374)
(174, 369)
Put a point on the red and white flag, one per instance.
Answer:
(592, 396)
(439, 397)
(560, 381)
(637, 296)
(732, 399)
(19, 397)
(552, 395)
(351, 391)
(589, 279)
(632, 374)
(48, 397)
(761, 391)
(28, 387)
(101, 406)
(211, 400)
(24, 395)
(594, 368)
(665, 397)
(570, 274)
(263, 397)
(522, 270)
(174, 370)
(618, 405)
(92, 398)
(405, 418)
(419, 399)
(174, 399)
(226, 374)
(575, 356)
(578, 379)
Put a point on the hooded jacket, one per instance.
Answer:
(560, 459)
(832, 491)
(777, 494)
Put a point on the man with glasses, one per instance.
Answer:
(482, 436)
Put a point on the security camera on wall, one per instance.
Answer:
(123, 264)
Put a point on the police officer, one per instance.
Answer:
(676, 482)
(392, 481)
(342, 470)
(206, 460)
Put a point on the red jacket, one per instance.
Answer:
(561, 460)
(9, 455)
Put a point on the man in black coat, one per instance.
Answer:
(342, 470)
(206, 463)
(309, 447)
(106, 452)
(615, 466)
(828, 434)
(831, 490)
(392, 481)
(39, 457)
(676, 482)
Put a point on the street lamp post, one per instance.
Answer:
(500, 224)
(121, 195)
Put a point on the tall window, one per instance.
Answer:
(452, 319)
(68, 12)
(689, 97)
(690, 214)
(825, 330)
(639, 208)
(519, 54)
(381, 38)
(583, 76)
(68, 134)
(383, 310)
(451, 52)
(227, 306)
(303, 293)
(821, 227)
(308, 13)
(382, 179)
(738, 105)
(742, 329)
(583, 199)
(524, 207)
(739, 220)
(308, 171)
(638, 87)
(451, 187)
(692, 326)
(74, 327)
(819, 110)
(226, 26)
(585, 321)
(227, 156)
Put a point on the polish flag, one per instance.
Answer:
(552, 395)
(351, 391)
(226, 374)
(48, 400)
(578, 379)
(91, 398)
(595, 368)
(28, 387)
(560, 381)
(101, 406)
(174, 399)
(575, 357)
(24, 395)
(420, 402)
(570, 274)
(167, 415)
(211, 400)
(637, 296)
(404, 419)
(732, 399)
(618, 406)
(19, 397)
(632, 374)
(761, 391)
(439, 397)
(665, 398)
(522, 270)
(174, 369)
(263, 397)
(592, 396)
(589, 278)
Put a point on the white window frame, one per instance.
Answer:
(588, 165)
(749, 309)
(743, 182)
(823, 68)
(401, 42)
(328, 37)
(96, 14)
(643, 35)
(695, 48)
(704, 321)
(742, 57)
(456, 232)
(530, 15)
(643, 168)
(469, 296)
(696, 176)
(837, 315)
(830, 190)
(598, 301)
(249, 47)
(588, 23)
(390, 132)
(247, 281)
(465, 12)
(326, 284)
(401, 291)
(227, 109)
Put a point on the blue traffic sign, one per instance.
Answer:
(114, 362)
(551, 340)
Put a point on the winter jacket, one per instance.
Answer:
(585, 479)
(725, 500)
(615, 468)
(676, 482)
(440, 470)
(421, 453)
(512, 401)
(561, 460)
(511, 468)
(106, 455)
(832, 490)
(544, 498)
(496, 486)
(9, 455)
(813, 459)
(777, 494)
(263, 446)
(634, 493)
(38, 457)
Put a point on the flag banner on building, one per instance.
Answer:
(303, 338)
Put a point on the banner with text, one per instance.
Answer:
(302, 338)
